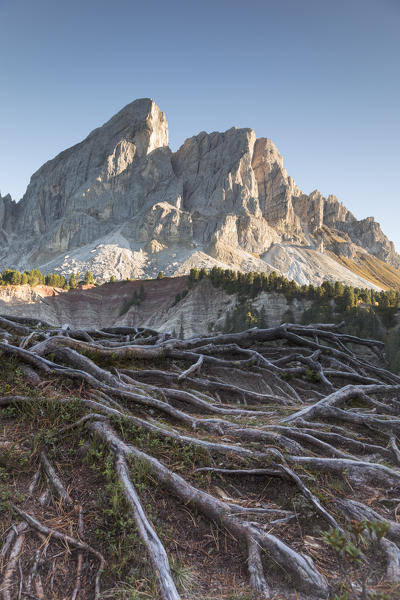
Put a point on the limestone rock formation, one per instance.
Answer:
(121, 203)
(7, 213)
(276, 190)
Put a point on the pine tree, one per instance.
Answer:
(272, 279)
(194, 275)
(251, 319)
(348, 298)
(89, 280)
(339, 288)
(15, 278)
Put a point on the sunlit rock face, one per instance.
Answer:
(276, 190)
(108, 177)
(121, 203)
(216, 173)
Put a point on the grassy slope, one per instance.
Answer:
(373, 269)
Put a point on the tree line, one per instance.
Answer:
(35, 277)
(249, 285)
(366, 312)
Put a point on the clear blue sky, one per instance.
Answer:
(319, 77)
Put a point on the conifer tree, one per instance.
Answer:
(72, 281)
(89, 280)
(348, 298)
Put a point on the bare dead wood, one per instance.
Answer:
(392, 554)
(63, 537)
(7, 584)
(79, 564)
(312, 498)
(302, 570)
(275, 436)
(339, 397)
(154, 547)
(54, 479)
(195, 367)
(14, 532)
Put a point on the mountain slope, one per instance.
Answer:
(121, 203)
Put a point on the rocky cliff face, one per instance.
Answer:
(120, 171)
(276, 190)
(7, 216)
(121, 203)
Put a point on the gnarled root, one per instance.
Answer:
(301, 568)
(318, 420)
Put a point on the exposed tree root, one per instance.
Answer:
(6, 585)
(54, 480)
(290, 412)
(156, 550)
(303, 570)
(67, 539)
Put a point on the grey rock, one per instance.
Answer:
(121, 203)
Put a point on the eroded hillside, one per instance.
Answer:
(113, 304)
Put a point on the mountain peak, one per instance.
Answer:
(141, 122)
(121, 203)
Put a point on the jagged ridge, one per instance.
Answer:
(121, 203)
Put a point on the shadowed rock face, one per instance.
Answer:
(7, 214)
(122, 193)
